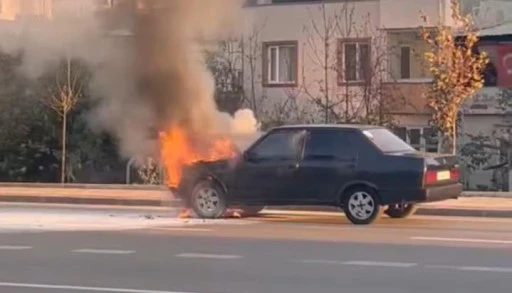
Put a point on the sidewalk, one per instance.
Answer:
(469, 205)
(105, 196)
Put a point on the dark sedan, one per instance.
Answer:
(363, 170)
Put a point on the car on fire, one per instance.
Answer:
(363, 170)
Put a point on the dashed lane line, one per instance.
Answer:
(362, 263)
(380, 264)
(103, 251)
(472, 268)
(210, 256)
(469, 240)
(67, 288)
(409, 265)
(14, 247)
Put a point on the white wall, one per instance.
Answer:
(396, 14)
(288, 23)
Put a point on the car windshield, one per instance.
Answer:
(387, 141)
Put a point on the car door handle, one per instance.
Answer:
(348, 162)
(293, 166)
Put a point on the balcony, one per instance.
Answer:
(406, 97)
(434, 10)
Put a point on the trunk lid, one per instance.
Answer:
(439, 169)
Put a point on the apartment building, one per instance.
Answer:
(373, 42)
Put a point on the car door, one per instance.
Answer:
(329, 161)
(266, 172)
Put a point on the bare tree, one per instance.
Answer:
(235, 64)
(63, 94)
(225, 61)
(345, 89)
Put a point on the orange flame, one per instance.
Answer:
(177, 150)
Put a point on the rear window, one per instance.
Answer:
(387, 141)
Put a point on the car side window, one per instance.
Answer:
(283, 144)
(328, 144)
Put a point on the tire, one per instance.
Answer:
(401, 211)
(251, 211)
(208, 200)
(361, 205)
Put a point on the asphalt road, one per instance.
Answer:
(274, 253)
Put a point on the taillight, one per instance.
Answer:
(430, 177)
(455, 174)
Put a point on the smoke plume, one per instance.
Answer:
(148, 77)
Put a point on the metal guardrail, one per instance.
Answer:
(128, 179)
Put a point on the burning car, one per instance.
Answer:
(363, 170)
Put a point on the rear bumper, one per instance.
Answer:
(444, 192)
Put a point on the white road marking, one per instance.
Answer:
(472, 268)
(486, 269)
(81, 288)
(471, 240)
(361, 263)
(205, 255)
(103, 251)
(14, 247)
(380, 264)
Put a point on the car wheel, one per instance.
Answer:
(361, 205)
(399, 211)
(251, 211)
(208, 200)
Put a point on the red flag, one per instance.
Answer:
(504, 65)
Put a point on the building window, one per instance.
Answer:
(405, 63)
(280, 60)
(354, 60)
(424, 139)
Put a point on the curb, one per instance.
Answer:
(430, 211)
(458, 212)
(88, 201)
(82, 186)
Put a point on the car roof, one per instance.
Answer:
(327, 126)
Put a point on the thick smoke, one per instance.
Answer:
(173, 76)
(148, 77)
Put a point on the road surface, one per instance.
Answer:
(316, 252)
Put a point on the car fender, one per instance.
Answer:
(205, 175)
(351, 184)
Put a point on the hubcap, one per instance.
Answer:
(207, 200)
(361, 205)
